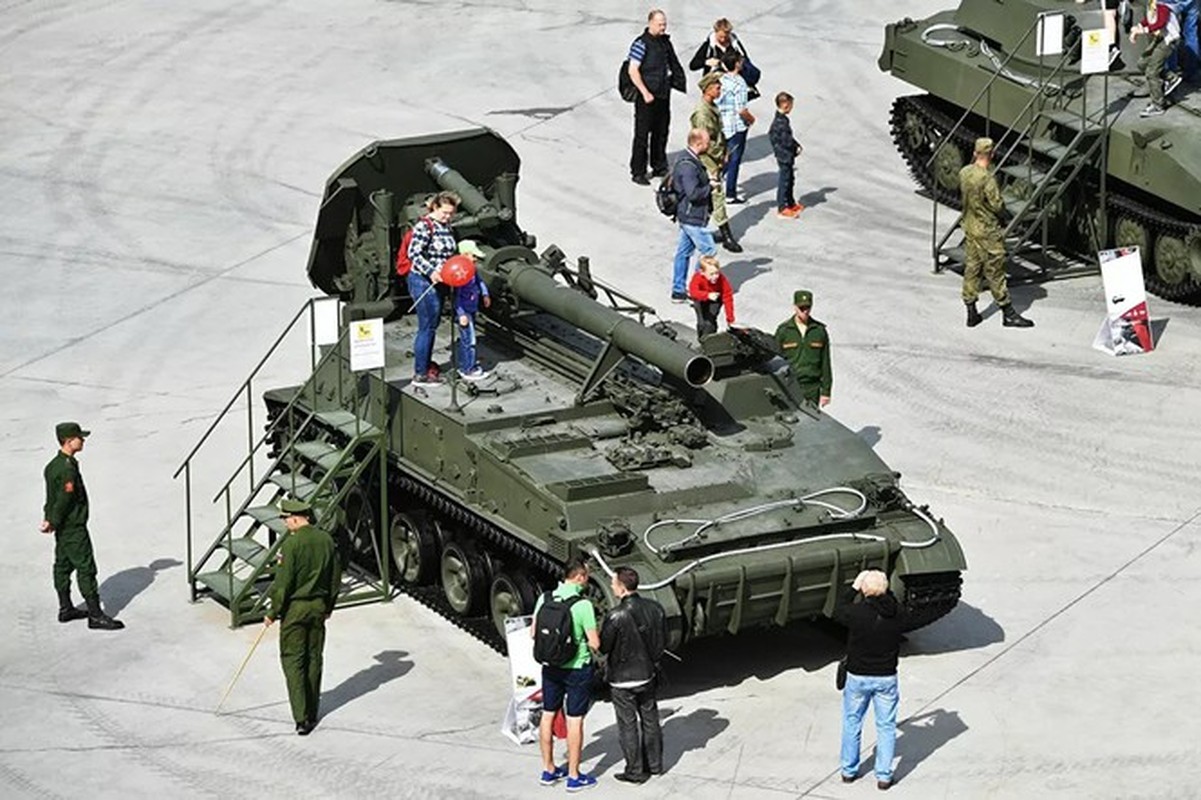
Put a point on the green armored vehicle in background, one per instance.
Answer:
(1080, 170)
(596, 435)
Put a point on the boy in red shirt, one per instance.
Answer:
(710, 292)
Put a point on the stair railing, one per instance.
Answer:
(986, 92)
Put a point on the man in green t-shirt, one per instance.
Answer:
(568, 685)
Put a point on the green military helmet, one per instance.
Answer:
(802, 298)
(708, 80)
(984, 146)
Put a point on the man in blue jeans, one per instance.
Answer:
(736, 119)
(691, 182)
(874, 622)
(568, 686)
(1186, 60)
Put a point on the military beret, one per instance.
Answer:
(983, 145)
(289, 506)
(802, 297)
(69, 430)
(708, 79)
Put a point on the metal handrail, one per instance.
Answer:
(282, 414)
(244, 385)
(1034, 97)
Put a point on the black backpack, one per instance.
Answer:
(625, 84)
(554, 631)
(666, 197)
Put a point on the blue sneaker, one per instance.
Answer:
(551, 778)
(585, 781)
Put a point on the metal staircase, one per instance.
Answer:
(1054, 141)
(330, 457)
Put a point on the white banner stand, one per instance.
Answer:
(525, 683)
(1094, 52)
(366, 344)
(1127, 326)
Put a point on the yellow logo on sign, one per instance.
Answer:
(363, 331)
(1094, 37)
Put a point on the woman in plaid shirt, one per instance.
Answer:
(432, 243)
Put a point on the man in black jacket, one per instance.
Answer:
(874, 628)
(633, 637)
(690, 180)
(655, 71)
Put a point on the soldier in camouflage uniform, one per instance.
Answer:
(66, 516)
(706, 117)
(984, 238)
(806, 345)
(302, 596)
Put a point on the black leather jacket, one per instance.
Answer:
(633, 637)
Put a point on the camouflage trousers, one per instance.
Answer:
(73, 553)
(301, 646)
(720, 216)
(1151, 63)
(985, 255)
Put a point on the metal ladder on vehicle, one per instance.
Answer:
(321, 456)
(1071, 140)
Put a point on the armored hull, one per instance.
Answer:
(1139, 185)
(595, 435)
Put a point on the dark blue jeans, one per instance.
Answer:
(427, 308)
(784, 185)
(735, 146)
(467, 345)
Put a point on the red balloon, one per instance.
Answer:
(458, 271)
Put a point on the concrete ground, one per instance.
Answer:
(160, 170)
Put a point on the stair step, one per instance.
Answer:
(1070, 119)
(269, 516)
(218, 582)
(1049, 147)
(954, 255)
(1026, 173)
(323, 454)
(249, 550)
(345, 422)
(1015, 207)
(295, 484)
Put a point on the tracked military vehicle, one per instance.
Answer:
(1080, 169)
(597, 434)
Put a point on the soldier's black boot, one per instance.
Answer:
(728, 241)
(973, 316)
(98, 620)
(1012, 319)
(67, 612)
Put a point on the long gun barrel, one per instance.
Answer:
(533, 284)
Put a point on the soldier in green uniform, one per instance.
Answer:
(984, 238)
(66, 516)
(302, 596)
(806, 344)
(706, 117)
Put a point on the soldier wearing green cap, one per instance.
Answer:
(706, 117)
(805, 343)
(984, 238)
(66, 516)
(302, 596)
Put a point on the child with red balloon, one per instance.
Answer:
(470, 292)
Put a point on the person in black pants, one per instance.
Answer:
(655, 71)
(633, 637)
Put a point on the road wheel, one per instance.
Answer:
(414, 550)
(464, 579)
(512, 595)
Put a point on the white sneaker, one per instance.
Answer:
(1151, 111)
(1170, 83)
(476, 373)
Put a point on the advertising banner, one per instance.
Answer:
(1127, 326)
(366, 344)
(525, 683)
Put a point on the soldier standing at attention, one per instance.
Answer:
(66, 516)
(706, 117)
(302, 596)
(984, 238)
(806, 346)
